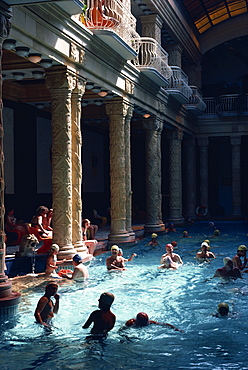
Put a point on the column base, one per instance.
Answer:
(66, 253)
(177, 221)
(9, 305)
(121, 239)
(80, 246)
(150, 228)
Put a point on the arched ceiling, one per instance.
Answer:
(208, 13)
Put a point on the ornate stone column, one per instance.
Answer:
(175, 186)
(8, 300)
(153, 128)
(61, 82)
(128, 172)
(151, 26)
(203, 144)
(76, 143)
(117, 111)
(190, 170)
(175, 54)
(236, 185)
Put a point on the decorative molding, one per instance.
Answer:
(129, 86)
(77, 54)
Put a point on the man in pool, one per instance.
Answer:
(222, 310)
(46, 308)
(80, 272)
(170, 260)
(204, 255)
(142, 319)
(237, 262)
(103, 319)
(115, 262)
(228, 271)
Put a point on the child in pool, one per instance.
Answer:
(142, 319)
(51, 262)
(154, 240)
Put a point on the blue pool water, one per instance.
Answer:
(180, 297)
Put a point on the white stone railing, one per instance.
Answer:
(110, 15)
(179, 81)
(227, 105)
(195, 100)
(151, 54)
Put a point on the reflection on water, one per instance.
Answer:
(179, 297)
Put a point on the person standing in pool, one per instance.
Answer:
(170, 259)
(103, 320)
(46, 308)
(228, 271)
(142, 319)
(204, 255)
(80, 272)
(237, 262)
(115, 262)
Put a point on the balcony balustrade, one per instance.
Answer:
(111, 19)
(227, 105)
(196, 104)
(178, 85)
(152, 60)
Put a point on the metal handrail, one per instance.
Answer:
(195, 100)
(179, 81)
(110, 15)
(151, 54)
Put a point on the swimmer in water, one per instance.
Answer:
(142, 319)
(46, 308)
(115, 262)
(222, 310)
(154, 240)
(170, 260)
(103, 319)
(185, 235)
(241, 253)
(204, 255)
(228, 271)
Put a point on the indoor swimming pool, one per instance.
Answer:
(183, 297)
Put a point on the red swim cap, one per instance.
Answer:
(169, 246)
(142, 319)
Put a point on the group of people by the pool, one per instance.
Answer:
(103, 319)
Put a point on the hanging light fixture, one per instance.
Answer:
(103, 93)
(96, 89)
(22, 51)
(38, 74)
(34, 57)
(142, 6)
(84, 103)
(98, 102)
(89, 85)
(39, 105)
(147, 11)
(146, 115)
(9, 44)
(46, 63)
(18, 75)
(110, 95)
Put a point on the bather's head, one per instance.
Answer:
(228, 263)
(105, 301)
(142, 319)
(223, 309)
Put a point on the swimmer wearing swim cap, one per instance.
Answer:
(237, 259)
(222, 310)
(115, 262)
(142, 319)
(228, 271)
(204, 254)
(169, 259)
(154, 240)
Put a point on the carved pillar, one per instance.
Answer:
(175, 54)
(128, 172)
(175, 187)
(236, 184)
(61, 82)
(8, 300)
(151, 26)
(190, 171)
(76, 143)
(153, 128)
(203, 144)
(194, 73)
(117, 111)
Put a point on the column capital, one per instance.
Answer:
(58, 78)
(117, 107)
(235, 140)
(153, 124)
(152, 18)
(176, 134)
(5, 22)
(202, 141)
